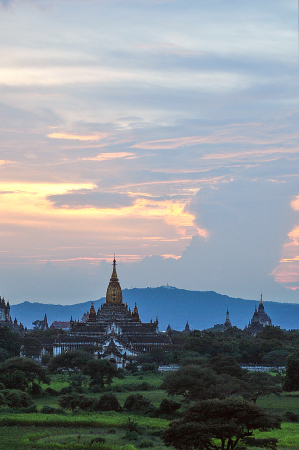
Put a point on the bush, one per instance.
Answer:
(2, 386)
(36, 390)
(96, 389)
(167, 407)
(52, 392)
(17, 399)
(145, 386)
(149, 367)
(50, 410)
(146, 444)
(108, 402)
(291, 417)
(66, 390)
(136, 402)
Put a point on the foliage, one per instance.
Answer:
(228, 421)
(101, 372)
(193, 383)
(73, 401)
(69, 361)
(17, 399)
(271, 332)
(136, 403)
(108, 402)
(149, 367)
(31, 347)
(291, 382)
(276, 358)
(226, 364)
(50, 410)
(261, 383)
(10, 342)
(22, 373)
(167, 408)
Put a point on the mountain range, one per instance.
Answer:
(172, 306)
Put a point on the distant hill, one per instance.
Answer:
(172, 306)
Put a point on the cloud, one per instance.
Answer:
(87, 199)
(108, 156)
(76, 137)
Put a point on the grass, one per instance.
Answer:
(288, 435)
(42, 432)
(280, 404)
(92, 420)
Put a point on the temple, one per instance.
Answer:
(259, 319)
(6, 320)
(114, 331)
(227, 324)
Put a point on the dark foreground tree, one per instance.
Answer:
(101, 372)
(22, 373)
(219, 424)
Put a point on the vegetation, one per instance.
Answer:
(228, 421)
(89, 404)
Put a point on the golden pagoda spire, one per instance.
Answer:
(114, 292)
(261, 300)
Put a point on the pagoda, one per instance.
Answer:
(114, 331)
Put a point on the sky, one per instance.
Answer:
(164, 131)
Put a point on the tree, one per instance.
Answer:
(276, 358)
(226, 364)
(22, 373)
(10, 342)
(271, 332)
(218, 424)
(101, 372)
(31, 347)
(136, 402)
(69, 361)
(262, 383)
(291, 381)
(193, 383)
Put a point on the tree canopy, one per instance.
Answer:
(218, 424)
(101, 372)
(69, 361)
(22, 373)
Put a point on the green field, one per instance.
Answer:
(77, 430)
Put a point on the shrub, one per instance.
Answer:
(145, 386)
(149, 367)
(167, 407)
(73, 401)
(291, 417)
(146, 444)
(96, 389)
(136, 402)
(50, 410)
(108, 402)
(17, 399)
(52, 392)
(2, 386)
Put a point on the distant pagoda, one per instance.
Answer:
(113, 330)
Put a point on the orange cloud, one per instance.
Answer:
(76, 137)
(107, 156)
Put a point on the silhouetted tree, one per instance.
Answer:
(229, 421)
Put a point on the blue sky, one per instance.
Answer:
(163, 131)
